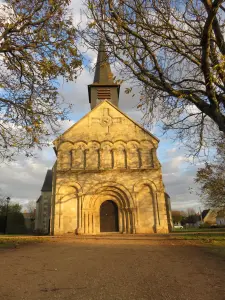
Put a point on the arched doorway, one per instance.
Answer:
(109, 217)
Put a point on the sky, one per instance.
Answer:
(22, 180)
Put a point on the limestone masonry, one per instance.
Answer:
(107, 177)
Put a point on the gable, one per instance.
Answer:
(106, 123)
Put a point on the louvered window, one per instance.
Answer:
(104, 94)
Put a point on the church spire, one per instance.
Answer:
(103, 87)
(103, 74)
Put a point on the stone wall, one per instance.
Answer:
(139, 197)
(43, 213)
(107, 156)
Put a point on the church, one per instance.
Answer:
(107, 177)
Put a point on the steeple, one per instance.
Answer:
(103, 87)
(103, 73)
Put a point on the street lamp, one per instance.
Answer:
(6, 216)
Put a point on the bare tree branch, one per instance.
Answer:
(174, 50)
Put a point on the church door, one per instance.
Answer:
(109, 217)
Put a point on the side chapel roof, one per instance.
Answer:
(39, 199)
(47, 186)
(204, 213)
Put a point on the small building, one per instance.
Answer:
(214, 216)
(220, 218)
(210, 217)
(43, 206)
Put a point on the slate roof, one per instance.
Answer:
(167, 195)
(39, 199)
(47, 186)
(103, 73)
(204, 213)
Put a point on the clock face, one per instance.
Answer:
(106, 121)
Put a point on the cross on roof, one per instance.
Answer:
(106, 120)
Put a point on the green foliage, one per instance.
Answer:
(15, 223)
(211, 180)
(11, 214)
(192, 219)
(37, 48)
(177, 218)
(12, 208)
(12, 241)
(205, 225)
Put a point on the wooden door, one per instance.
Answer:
(109, 217)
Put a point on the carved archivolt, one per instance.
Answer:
(106, 155)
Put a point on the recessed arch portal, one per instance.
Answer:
(108, 191)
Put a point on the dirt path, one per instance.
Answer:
(111, 269)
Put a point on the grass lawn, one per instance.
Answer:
(14, 241)
(213, 243)
(199, 230)
(207, 238)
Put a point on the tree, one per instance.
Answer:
(191, 217)
(191, 212)
(11, 218)
(4, 204)
(176, 216)
(37, 48)
(11, 209)
(211, 180)
(30, 209)
(175, 51)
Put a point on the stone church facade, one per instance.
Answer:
(107, 177)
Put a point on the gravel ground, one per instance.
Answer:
(111, 269)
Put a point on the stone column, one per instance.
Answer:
(136, 213)
(123, 220)
(157, 208)
(127, 220)
(120, 220)
(85, 222)
(130, 220)
(134, 225)
(93, 223)
(89, 221)
(79, 213)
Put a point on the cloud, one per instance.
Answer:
(23, 179)
(178, 177)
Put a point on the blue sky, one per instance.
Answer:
(22, 180)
